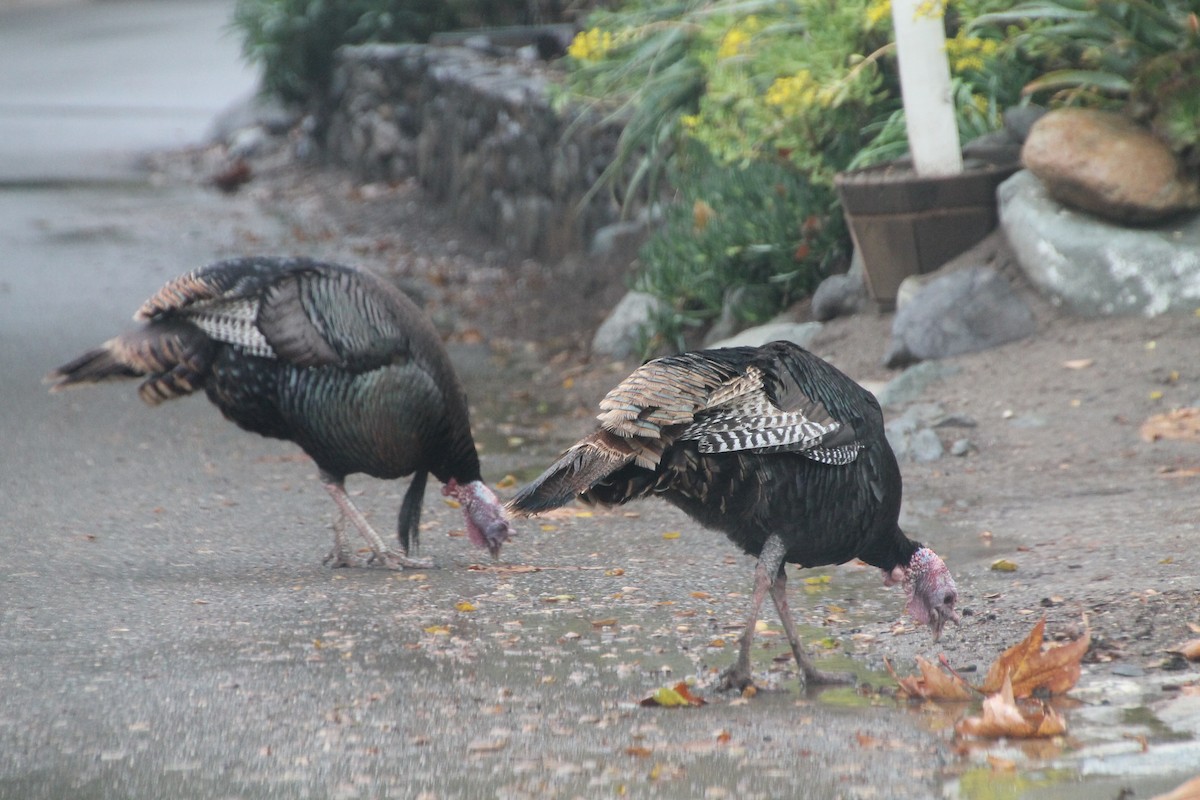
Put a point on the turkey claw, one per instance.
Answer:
(393, 560)
(735, 679)
(337, 560)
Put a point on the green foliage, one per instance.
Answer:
(753, 237)
(294, 40)
(1141, 56)
(773, 90)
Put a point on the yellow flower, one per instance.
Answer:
(737, 36)
(879, 11)
(968, 53)
(794, 94)
(590, 45)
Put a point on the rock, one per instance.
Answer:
(997, 147)
(841, 295)
(1020, 120)
(1083, 156)
(1094, 268)
(619, 240)
(802, 333)
(964, 311)
(481, 135)
(961, 447)
(908, 385)
(911, 440)
(619, 335)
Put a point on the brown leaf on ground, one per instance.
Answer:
(1030, 668)
(1185, 791)
(1189, 650)
(1181, 423)
(1003, 718)
(933, 684)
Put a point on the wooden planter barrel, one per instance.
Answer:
(904, 224)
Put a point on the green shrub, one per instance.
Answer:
(294, 40)
(752, 238)
(1138, 56)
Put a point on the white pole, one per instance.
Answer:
(925, 87)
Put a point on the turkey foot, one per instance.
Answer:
(736, 679)
(338, 557)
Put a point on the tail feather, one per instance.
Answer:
(174, 357)
(94, 366)
(578, 470)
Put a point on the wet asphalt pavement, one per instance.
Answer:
(167, 628)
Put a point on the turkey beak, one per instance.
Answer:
(939, 617)
(495, 536)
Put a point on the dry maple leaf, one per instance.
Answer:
(1002, 718)
(934, 684)
(1181, 423)
(1055, 670)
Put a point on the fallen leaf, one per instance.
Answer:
(464, 605)
(933, 684)
(494, 745)
(671, 535)
(1079, 363)
(438, 630)
(1189, 790)
(610, 622)
(1002, 718)
(1056, 670)
(1002, 764)
(1189, 650)
(672, 697)
(507, 482)
(1181, 423)
(1004, 565)
(639, 752)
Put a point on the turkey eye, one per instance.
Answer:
(949, 599)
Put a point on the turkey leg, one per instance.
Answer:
(770, 577)
(812, 676)
(738, 676)
(389, 558)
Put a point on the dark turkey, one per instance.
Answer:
(333, 359)
(772, 446)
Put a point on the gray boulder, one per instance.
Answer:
(964, 311)
(841, 295)
(802, 333)
(1095, 268)
(619, 335)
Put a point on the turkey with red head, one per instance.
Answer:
(329, 357)
(774, 447)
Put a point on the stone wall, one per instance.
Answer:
(480, 135)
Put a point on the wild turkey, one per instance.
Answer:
(774, 447)
(331, 358)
